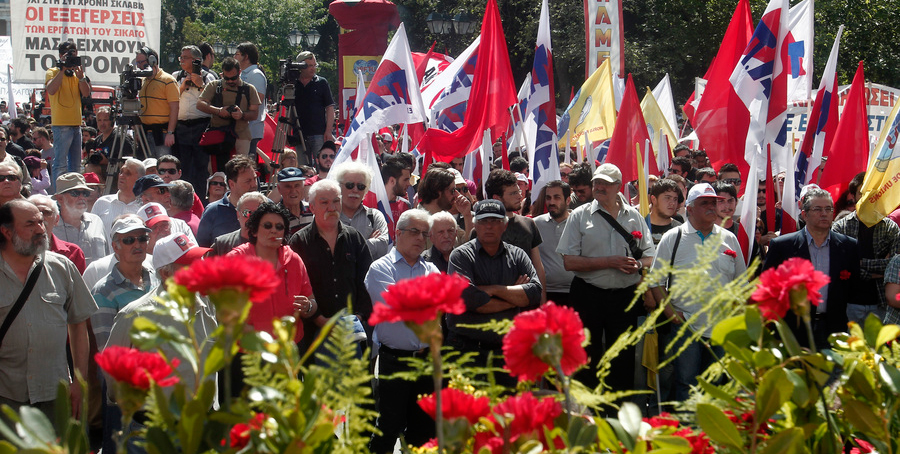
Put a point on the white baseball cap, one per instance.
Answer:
(608, 173)
(153, 213)
(701, 190)
(177, 248)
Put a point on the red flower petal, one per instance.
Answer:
(457, 404)
(242, 273)
(637, 234)
(730, 253)
(136, 368)
(418, 300)
(775, 285)
(529, 416)
(528, 327)
(845, 275)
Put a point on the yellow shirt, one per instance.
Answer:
(65, 105)
(155, 95)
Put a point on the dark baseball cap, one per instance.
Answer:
(290, 174)
(490, 208)
(149, 181)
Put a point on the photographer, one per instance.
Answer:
(159, 100)
(191, 121)
(66, 85)
(315, 106)
(232, 104)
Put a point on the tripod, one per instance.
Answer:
(128, 119)
(288, 121)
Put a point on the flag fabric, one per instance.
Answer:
(799, 42)
(445, 95)
(666, 101)
(430, 64)
(747, 231)
(733, 119)
(737, 35)
(789, 208)
(592, 112)
(657, 124)
(630, 132)
(487, 153)
(491, 96)
(11, 102)
(849, 152)
(880, 194)
(823, 119)
(393, 97)
(540, 116)
(382, 202)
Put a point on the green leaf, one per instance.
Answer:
(774, 390)
(621, 434)
(158, 442)
(764, 359)
(740, 373)
(37, 424)
(670, 444)
(215, 360)
(754, 322)
(733, 329)
(890, 376)
(862, 417)
(581, 433)
(7, 448)
(800, 395)
(787, 441)
(190, 428)
(886, 334)
(719, 428)
(714, 390)
(872, 329)
(788, 339)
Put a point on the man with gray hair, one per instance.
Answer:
(316, 114)
(191, 121)
(78, 226)
(678, 247)
(356, 179)
(111, 206)
(247, 204)
(830, 252)
(443, 239)
(50, 211)
(395, 399)
(57, 305)
(181, 199)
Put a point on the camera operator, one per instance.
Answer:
(108, 137)
(315, 106)
(66, 85)
(232, 104)
(191, 121)
(159, 100)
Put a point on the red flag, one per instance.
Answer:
(849, 152)
(630, 129)
(737, 35)
(493, 92)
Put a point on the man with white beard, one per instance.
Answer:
(356, 180)
(33, 352)
(77, 225)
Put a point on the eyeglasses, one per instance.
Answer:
(10, 177)
(129, 240)
(183, 58)
(463, 189)
(732, 181)
(820, 210)
(173, 171)
(359, 186)
(215, 183)
(269, 225)
(79, 193)
(415, 232)
(231, 78)
(326, 156)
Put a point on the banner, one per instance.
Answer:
(605, 35)
(108, 34)
(879, 196)
(22, 91)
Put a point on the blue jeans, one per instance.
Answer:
(66, 151)
(157, 150)
(695, 359)
(858, 312)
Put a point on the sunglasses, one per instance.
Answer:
(359, 186)
(79, 193)
(3, 139)
(10, 177)
(732, 181)
(231, 78)
(269, 225)
(129, 240)
(326, 156)
(463, 189)
(174, 171)
(217, 183)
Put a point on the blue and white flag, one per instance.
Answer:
(540, 116)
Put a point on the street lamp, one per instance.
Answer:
(294, 38)
(438, 24)
(232, 48)
(312, 37)
(463, 23)
(218, 48)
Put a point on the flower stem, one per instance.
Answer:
(435, 346)
(564, 382)
(809, 333)
(226, 405)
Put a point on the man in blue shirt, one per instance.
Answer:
(220, 217)
(395, 400)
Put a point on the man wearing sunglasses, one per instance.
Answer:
(169, 169)
(324, 160)
(77, 225)
(159, 101)
(355, 180)
(231, 102)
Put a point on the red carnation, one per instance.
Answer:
(528, 415)
(795, 276)
(457, 404)
(240, 433)
(136, 368)
(845, 275)
(240, 273)
(543, 338)
(418, 300)
(637, 234)
(730, 253)
(700, 443)
(663, 420)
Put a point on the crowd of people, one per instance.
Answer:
(77, 260)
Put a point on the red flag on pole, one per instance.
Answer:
(737, 35)
(493, 92)
(849, 152)
(630, 129)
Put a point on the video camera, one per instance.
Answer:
(70, 60)
(130, 81)
(290, 70)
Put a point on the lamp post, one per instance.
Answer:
(232, 48)
(218, 48)
(442, 24)
(311, 38)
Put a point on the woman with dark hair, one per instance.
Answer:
(267, 232)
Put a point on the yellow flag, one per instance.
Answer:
(881, 188)
(593, 111)
(655, 119)
(643, 197)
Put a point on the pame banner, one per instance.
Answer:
(604, 36)
(108, 34)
